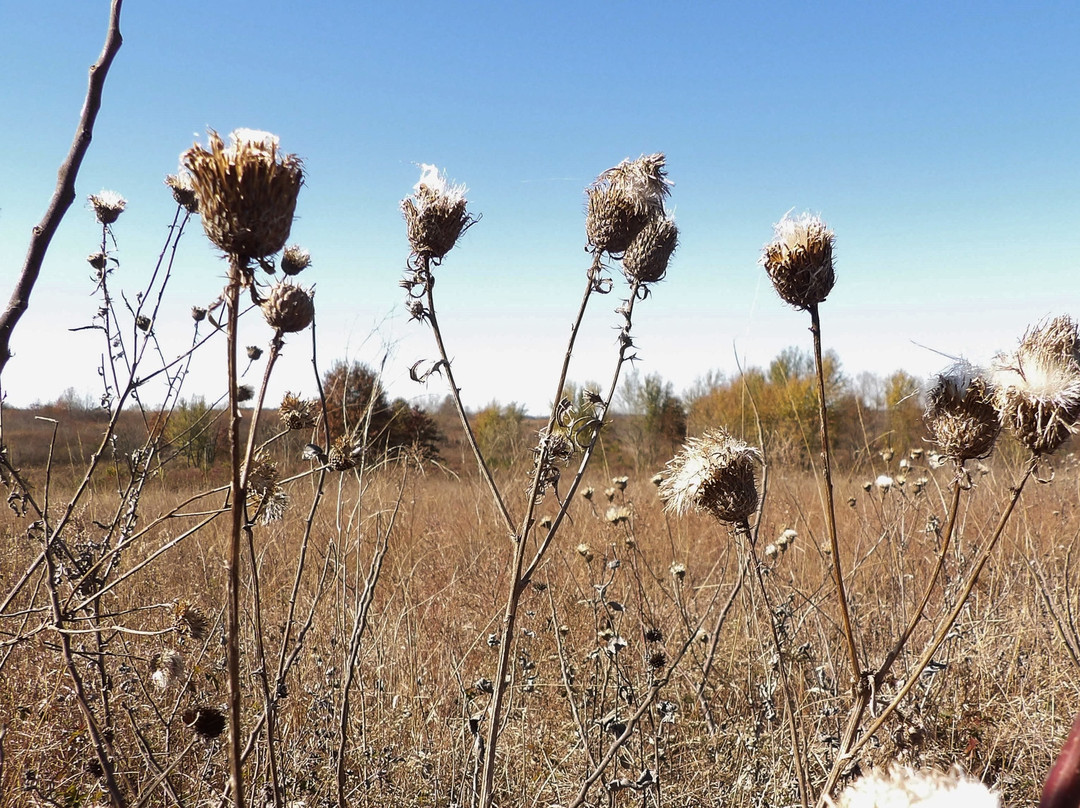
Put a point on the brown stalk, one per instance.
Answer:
(64, 194)
(236, 502)
(830, 507)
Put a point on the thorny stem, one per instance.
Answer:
(237, 503)
(830, 508)
(743, 528)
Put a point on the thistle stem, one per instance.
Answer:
(236, 504)
(830, 507)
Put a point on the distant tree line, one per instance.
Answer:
(648, 423)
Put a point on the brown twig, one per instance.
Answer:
(64, 194)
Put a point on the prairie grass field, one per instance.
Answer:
(629, 601)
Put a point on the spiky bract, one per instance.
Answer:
(288, 308)
(646, 259)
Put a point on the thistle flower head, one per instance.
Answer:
(714, 473)
(622, 201)
(295, 260)
(107, 205)
(343, 454)
(904, 787)
(297, 413)
(799, 260)
(246, 191)
(288, 308)
(265, 493)
(183, 190)
(191, 621)
(207, 722)
(646, 259)
(1037, 386)
(960, 412)
(435, 215)
(168, 669)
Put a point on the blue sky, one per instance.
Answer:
(939, 140)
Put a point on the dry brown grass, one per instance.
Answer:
(999, 704)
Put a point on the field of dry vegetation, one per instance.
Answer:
(621, 597)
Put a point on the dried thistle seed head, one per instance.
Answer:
(617, 515)
(244, 392)
(620, 482)
(168, 668)
(96, 260)
(254, 353)
(714, 473)
(264, 491)
(960, 412)
(342, 454)
(246, 192)
(191, 621)
(646, 259)
(799, 260)
(1037, 386)
(295, 260)
(183, 191)
(198, 313)
(296, 413)
(554, 449)
(622, 200)
(435, 215)
(904, 786)
(288, 308)
(107, 205)
(207, 722)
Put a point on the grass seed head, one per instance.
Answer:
(107, 205)
(1037, 386)
(799, 260)
(435, 215)
(246, 192)
(288, 308)
(960, 412)
(623, 200)
(714, 473)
